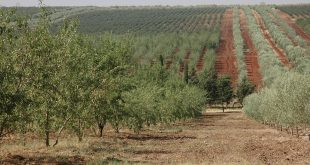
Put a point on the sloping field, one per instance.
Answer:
(137, 93)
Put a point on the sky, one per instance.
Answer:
(141, 2)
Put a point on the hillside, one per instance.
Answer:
(155, 85)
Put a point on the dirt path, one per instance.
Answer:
(280, 53)
(214, 138)
(290, 22)
(251, 56)
(226, 60)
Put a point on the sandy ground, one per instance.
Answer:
(214, 138)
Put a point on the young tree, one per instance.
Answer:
(161, 60)
(109, 78)
(245, 88)
(186, 74)
(14, 100)
(224, 90)
(193, 79)
(208, 82)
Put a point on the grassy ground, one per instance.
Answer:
(214, 138)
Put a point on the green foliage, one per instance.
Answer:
(186, 73)
(285, 103)
(64, 80)
(244, 89)
(141, 20)
(239, 45)
(224, 89)
(305, 24)
(296, 10)
(270, 65)
(164, 100)
(13, 90)
(208, 82)
(296, 54)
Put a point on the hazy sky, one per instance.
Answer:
(140, 2)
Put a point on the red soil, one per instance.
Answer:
(299, 31)
(251, 56)
(200, 63)
(226, 62)
(280, 53)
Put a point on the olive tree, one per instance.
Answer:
(224, 90)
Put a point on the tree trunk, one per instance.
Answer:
(100, 126)
(80, 138)
(292, 129)
(47, 129)
(60, 131)
(80, 132)
(223, 108)
(297, 132)
(94, 130)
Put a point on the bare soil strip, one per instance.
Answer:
(291, 23)
(250, 55)
(280, 53)
(226, 61)
(213, 138)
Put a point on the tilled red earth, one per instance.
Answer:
(226, 62)
(251, 56)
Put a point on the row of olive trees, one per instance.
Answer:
(289, 30)
(239, 45)
(148, 47)
(218, 89)
(296, 54)
(270, 66)
(245, 87)
(51, 82)
(285, 103)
